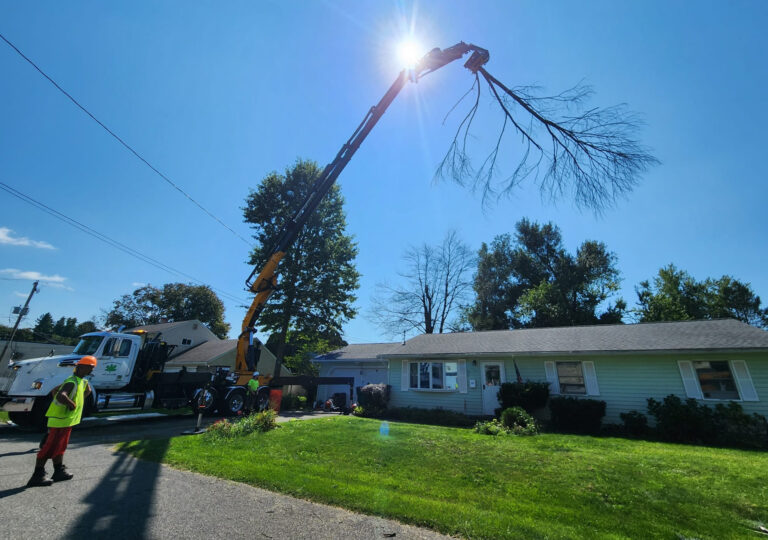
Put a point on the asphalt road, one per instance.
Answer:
(116, 496)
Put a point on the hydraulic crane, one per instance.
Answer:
(266, 281)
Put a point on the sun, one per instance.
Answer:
(409, 53)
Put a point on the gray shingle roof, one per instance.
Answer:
(359, 353)
(669, 336)
(206, 352)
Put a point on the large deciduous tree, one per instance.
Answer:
(173, 302)
(531, 281)
(317, 276)
(433, 286)
(674, 295)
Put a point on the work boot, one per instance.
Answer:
(60, 473)
(39, 478)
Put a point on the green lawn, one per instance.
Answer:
(462, 483)
(3, 416)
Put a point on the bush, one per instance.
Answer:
(373, 398)
(258, 422)
(436, 417)
(519, 422)
(576, 415)
(635, 424)
(490, 427)
(529, 395)
(691, 422)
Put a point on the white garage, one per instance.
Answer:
(358, 361)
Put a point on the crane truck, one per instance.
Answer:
(262, 286)
(131, 370)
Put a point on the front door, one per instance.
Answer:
(493, 375)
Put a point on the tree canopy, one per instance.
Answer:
(531, 281)
(674, 295)
(317, 276)
(173, 302)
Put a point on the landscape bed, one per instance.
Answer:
(462, 483)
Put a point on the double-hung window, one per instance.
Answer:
(433, 375)
(716, 380)
(571, 378)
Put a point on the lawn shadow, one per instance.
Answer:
(120, 506)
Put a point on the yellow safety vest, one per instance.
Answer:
(59, 414)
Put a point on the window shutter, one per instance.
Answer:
(405, 375)
(744, 381)
(462, 376)
(690, 381)
(554, 384)
(590, 378)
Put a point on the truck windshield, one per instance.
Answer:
(88, 345)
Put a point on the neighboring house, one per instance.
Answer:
(197, 348)
(184, 335)
(359, 361)
(712, 361)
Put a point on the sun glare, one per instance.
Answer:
(409, 52)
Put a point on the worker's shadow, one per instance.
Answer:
(121, 504)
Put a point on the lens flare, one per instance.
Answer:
(409, 52)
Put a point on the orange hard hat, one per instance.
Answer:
(87, 361)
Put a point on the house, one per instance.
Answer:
(359, 361)
(197, 348)
(713, 361)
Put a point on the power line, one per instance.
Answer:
(121, 141)
(107, 240)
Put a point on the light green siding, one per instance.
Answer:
(470, 403)
(625, 381)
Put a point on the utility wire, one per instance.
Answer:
(121, 141)
(107, 240)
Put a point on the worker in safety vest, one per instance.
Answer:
(65, 412)
(252, 389)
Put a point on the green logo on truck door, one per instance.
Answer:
(111, 368)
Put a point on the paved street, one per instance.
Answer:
(116, 496)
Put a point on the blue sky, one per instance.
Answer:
(218, 94)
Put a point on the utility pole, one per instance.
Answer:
(21, 314)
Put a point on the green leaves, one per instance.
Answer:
(174, 302)
(317, 277)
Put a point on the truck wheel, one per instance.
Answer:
(21, 419)
(205, 401)
(234, 403)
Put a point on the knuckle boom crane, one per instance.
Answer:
(263, 284)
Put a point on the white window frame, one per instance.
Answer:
(739, 372)
(588, 374)
(432, 362)
(583, 378)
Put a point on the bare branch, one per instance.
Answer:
(592, 153)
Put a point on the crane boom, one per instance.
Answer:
(266, 281)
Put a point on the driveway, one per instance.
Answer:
(115, 496)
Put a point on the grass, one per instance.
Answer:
(3, 416)
(462, 483)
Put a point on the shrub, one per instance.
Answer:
(691, 422)
(358, 411)
(519, 422)
(436, 417)
(529, 395)
(262, 421)
(373, 398)
(490, 427)
(302, 402)
(576, 415)
(635, 424)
